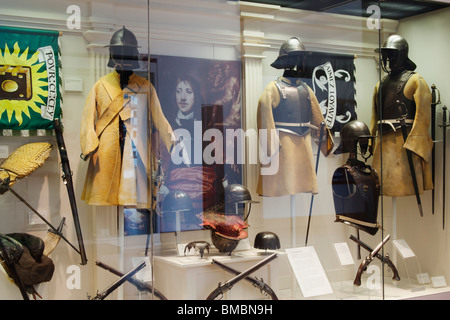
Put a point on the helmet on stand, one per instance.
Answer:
(355, 133)
(289, 54)
(237, 197)
(123, 52)
(394, 54)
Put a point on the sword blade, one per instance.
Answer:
(444, 127)
(433, 137)
(412, 169)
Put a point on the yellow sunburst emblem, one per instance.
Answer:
(21, 83)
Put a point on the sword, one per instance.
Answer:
(434, 102)
(444, 127)
(322, 130)
(402, 121)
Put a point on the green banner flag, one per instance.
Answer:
(29, 79)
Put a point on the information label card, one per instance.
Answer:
(308, 271)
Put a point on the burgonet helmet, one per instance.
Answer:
(354, 133)
(236, 198)
(123, 50)
(290, 48)
(394, 54)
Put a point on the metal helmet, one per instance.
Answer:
(176, 201)
(290, 48)
(353, 133)
(236, 197)
(267, 240)
(123, 50)
(394, 54)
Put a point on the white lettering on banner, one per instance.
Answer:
(328, 83)
(46, 54)
(331, 102)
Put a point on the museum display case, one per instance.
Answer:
(233, 150)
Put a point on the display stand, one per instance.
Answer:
(177, 228)
(293, 234)
(193, 278)
(407, 255)
(346, 262)
(394, 226)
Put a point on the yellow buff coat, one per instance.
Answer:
(296, 166)
(396, 174)
(112, 179)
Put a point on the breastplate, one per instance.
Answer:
(392, 96)
(293, 114)
(356, 189)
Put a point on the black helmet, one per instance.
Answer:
(176, 201)
(267, 240)
(123, 50)
(352, 133)
(292, 47)
(395, 50)
(236, 197)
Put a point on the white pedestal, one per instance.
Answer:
(194, 278)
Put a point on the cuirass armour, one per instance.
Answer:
(294, 108)
(356, 189)
(391, 95)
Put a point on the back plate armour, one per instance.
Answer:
(356, 189)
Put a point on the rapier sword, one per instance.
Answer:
(444, 127)
(435, 100)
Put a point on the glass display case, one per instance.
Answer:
(234, 150)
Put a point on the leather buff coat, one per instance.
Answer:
(296, 167)
(113, 179)
(395, 171)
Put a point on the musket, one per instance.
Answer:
(434, 102)
(67, 179)
(319, 146)
(222, 288)
(368, 260)
(260, 284)
(384, 259)
(409, 155)
(102, 295)
(444, 127)
(140, 285)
